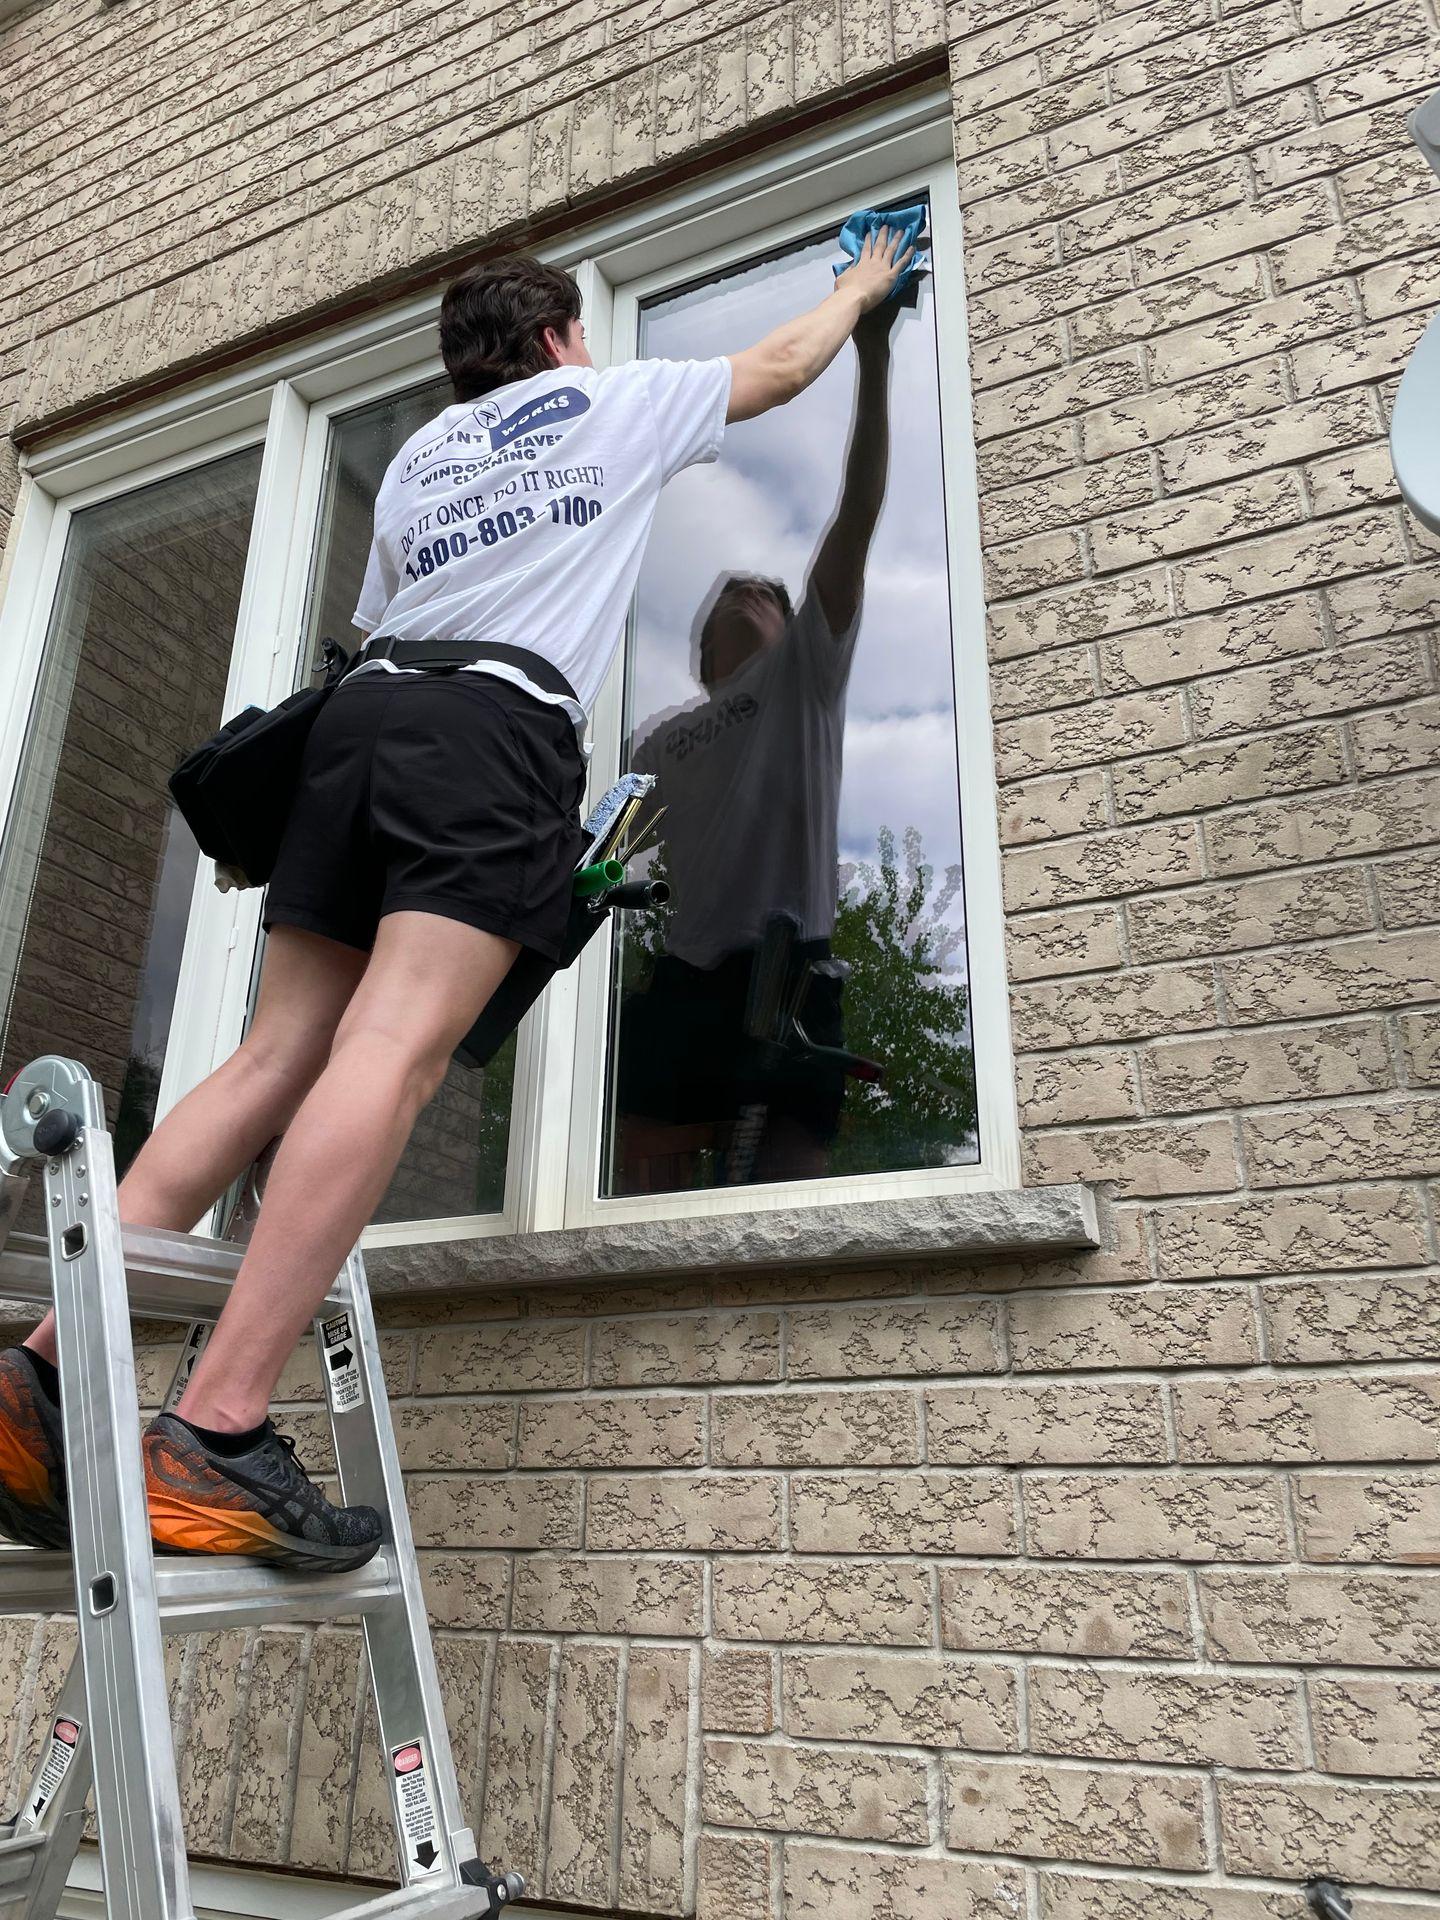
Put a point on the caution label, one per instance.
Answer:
(64, 1739)
(415, 1814)
(340, 1357)
(196, 1341)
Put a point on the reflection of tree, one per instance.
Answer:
(135, 1114)
(901, 1009)
(492, 1135)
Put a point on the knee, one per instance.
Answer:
(286, 1066)
(409, 1070)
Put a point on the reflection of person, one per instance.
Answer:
(434, 834)
(750, 778)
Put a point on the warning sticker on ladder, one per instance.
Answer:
(341, 1359)
(196, 1341)
(64, 1739)
(415, 1813)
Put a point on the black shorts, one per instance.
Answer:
(684, 1057)
(448, 793)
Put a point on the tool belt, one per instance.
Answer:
(235, 790)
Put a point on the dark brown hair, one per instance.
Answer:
(491, 320)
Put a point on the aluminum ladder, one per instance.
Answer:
(111, 1724)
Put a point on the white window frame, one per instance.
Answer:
(289, 398)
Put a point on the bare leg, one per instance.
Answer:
(428, 979)
(217, 1130)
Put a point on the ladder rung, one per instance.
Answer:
(171, 1276)
(416, 1903)
(208, 1591)
(17, 1854)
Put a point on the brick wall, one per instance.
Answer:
(1079, 1589)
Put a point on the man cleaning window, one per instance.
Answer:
(433, 836)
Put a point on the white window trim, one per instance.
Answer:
(289, 397)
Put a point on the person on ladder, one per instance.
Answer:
(434, 835)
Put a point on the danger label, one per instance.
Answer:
(196, 1341)
(340, 1357)
(415, 1811)
(64, 1739)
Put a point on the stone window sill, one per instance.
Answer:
(1031, 1221)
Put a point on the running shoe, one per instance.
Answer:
(32, 1457)
(261, 1503)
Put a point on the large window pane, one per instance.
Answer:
(801, 1008)
(455, 1162)
(98, 866)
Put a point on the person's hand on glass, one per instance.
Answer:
(873, 275)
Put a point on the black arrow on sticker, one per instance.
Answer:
(426, 1854)
(39, 1806)
(340, 1359)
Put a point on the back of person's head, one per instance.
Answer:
(492, 320)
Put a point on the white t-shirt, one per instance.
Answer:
(521, 518)
(750, 776)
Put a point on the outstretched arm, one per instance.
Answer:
(838, 575)
(794, 355)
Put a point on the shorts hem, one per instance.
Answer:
(297, 917)
(483, 920)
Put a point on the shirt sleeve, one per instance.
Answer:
(381, 585)
(825, 656)
(688, 399)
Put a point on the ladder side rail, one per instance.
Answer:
(403, 1673)
(54, 1813)
(142, 1847)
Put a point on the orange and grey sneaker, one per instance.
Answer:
(32, 1456)
(259, 1502)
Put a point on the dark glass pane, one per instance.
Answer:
(801, 1009)
(455, 1162)
(99, 868)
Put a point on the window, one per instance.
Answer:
(830, 837)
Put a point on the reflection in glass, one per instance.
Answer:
(455, 1162)
(98, 867)
(800, 1009)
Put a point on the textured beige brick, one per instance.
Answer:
(1109, 1007)
(262, 1769)
(1420, 1037)
(1371, 819)
(1271, 439)
(1389, 1317)
(880, 1342)
(1213, 775)
(1227, 511)
(607, 1593)
(1323, 1230)
(1076, 1896)
(929, 1700)
(1082, 941)
(1385, 603)
(1050, 809)
(1025, 566)
(1346, 977)
(452, 1360)
(1166, 1714)
(690, 1347)
(734, 1879)
(1059, 677)
(1169, 1158)
(1351, 479)
(1078, 613)
(1408, 890)
(1389, 1833)
(820, 1880)
(1397, 287)
(1053, 1088)
(853, 1428)
(1261, 913)
(1212, 400)
(842, 1791)
(1155, 311)
(1352, 1142)
(1363, 1417)
(643, 1431)
(465, 1589)
(1354, 1516)
(1156, 1516)
(1376, 1726)
(1020, 455)
(585, 1788)
(1280, 562)
(1335, 682)
(1010, 356)
(1021, 1423)
(682, 1512)
(1278, 1063)
(865, 1602)
(1029, 403)
(913, 1512)
(1211, 643)
(458, 1510)
(468, 1434)
(1314, 1618)
(658, 1685)
(1101, 730)
(1067, 497)
(1403, 737)
(1373, 353)
(207, 1759)
(737, 1691)
(1110, 1816)
(1099, 866)
(1144, 1327)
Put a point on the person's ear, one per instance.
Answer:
(553, 345)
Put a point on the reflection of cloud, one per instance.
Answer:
(901, 773)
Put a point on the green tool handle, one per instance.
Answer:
(598, 879)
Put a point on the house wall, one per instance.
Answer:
(1082, 1588)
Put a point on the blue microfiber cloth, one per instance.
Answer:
(910, 219)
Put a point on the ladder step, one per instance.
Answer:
(18, 1854)
(208, 1591)
(170, 1276)
(415, 1903)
